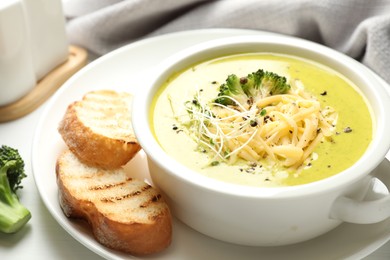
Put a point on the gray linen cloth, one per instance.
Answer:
(358, 28)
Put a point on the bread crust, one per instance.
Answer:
(123, 232)
(92, 147)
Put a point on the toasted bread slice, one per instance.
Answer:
(125, 214)
(98, 129)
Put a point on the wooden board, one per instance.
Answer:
(46, 86)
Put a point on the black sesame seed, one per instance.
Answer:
(347, 129)
(253, 123)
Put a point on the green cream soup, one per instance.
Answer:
(354, 128)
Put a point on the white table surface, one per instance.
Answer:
(43, 237)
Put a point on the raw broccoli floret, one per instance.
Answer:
(254, 86)
(13, 215)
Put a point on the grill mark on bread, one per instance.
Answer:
(142, 190)
(153, 199)
(119, 198)
(109, 185)
(145, 188)
(106, 186)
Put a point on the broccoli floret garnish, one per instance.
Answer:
(254, 86)
(273, 84)
(13, 215)
(231, 91)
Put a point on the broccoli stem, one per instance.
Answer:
(13, 215)
(13, 218)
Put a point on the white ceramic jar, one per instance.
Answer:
(17, 75)
(48, 41)
(32, 43)
(269, 216)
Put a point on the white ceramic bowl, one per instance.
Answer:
(269, 216)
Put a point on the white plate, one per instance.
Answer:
(125, 69)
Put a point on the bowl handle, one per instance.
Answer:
(373, 209)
